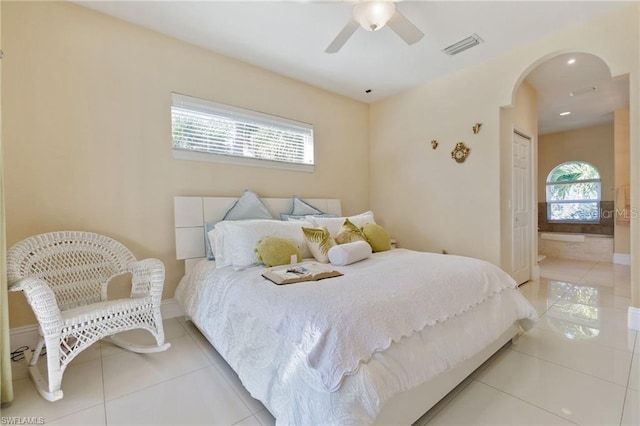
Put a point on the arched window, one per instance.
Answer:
(573, 193)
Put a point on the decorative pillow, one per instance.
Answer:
(349, 253)
(300, 209)
(275, 251)
(349, 233)
(333, 224)
(319, 242)
(377, 237)
(235, 240)
(248, 206)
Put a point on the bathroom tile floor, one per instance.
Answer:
(579, 365)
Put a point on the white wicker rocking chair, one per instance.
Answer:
(64, 276)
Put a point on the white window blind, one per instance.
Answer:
(573, 193)
(217, 132)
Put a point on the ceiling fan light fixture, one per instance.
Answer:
(373, 15)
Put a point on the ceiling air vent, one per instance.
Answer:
(583, 91)
(462, 45)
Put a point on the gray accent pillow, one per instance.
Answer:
(300, 209)
(248, 206)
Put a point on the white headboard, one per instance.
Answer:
(191, 213)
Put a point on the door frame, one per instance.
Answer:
(533, 201)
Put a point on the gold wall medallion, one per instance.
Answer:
(434, 144)
(476, 128)
(460, 152)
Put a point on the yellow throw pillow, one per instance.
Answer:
(349, 233)
(274, 251)
(377, 237)
(319, 242)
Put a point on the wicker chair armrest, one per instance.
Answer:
(147, 278)
(43, 303)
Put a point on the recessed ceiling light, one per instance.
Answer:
(571, 61)
(565, 113)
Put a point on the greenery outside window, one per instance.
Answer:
(573, 193)
(208, 131)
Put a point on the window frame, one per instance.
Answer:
(574, 201)
(204, 106)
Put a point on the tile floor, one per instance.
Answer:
(579, 365)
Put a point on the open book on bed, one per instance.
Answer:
(299, 272)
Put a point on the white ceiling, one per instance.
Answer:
(555, 79)
(290, 37)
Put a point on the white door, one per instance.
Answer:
(521, 208)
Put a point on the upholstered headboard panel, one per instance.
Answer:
(191, 213)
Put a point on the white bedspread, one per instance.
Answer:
(317, 334)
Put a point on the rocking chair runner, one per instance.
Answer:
(64, 276)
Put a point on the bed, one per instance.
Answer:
(411, 325)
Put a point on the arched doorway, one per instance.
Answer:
(562, 96)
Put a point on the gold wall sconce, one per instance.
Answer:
(460, 152)
(434, 144)
(476, 128)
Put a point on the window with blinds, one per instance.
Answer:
(205, 130)
(573, 193)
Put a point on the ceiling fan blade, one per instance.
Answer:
(404, 28)
(342, 37)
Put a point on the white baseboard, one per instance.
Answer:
(28, 335)
(622, 259)
(633, 318)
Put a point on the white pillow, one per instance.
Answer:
(235, 241)
(346, 254)
(248, 206)
(333, 224)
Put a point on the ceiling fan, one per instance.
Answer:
(373, 15)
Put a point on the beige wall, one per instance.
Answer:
(634, 172)
(523, 117)
(429, 201)
(426, 199)
(622, 243)
(87, 137)
(591, 144)
(526, 110)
